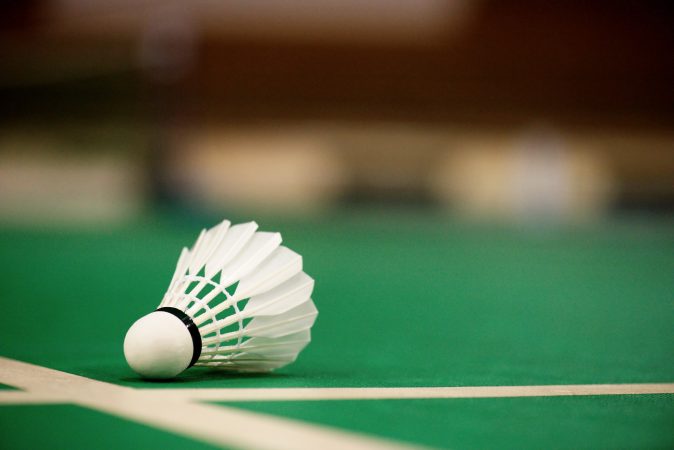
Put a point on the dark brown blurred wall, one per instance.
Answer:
(584, 63)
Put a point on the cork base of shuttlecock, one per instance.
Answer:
(158, 346)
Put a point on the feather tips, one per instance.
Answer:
(247, 294)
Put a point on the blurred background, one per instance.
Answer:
(495, 111)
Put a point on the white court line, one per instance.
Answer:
(215, 424)
(299, 394)
(176, 410)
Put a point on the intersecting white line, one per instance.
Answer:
(218, 425)
(178, 410)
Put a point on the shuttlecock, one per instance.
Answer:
(238, 301)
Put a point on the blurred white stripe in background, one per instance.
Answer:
(258, 169)
(41, 185)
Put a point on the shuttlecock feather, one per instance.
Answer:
(238, 301)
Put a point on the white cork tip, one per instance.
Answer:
(158, 345)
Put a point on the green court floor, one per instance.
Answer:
(406, 299)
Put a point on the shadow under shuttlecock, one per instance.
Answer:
(199, 374)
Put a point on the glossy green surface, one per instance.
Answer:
(405, 299)
(514, 423)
